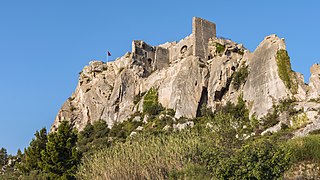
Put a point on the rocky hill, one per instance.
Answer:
(199, 71)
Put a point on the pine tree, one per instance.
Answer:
(3, 157)
(19, 154)
(32, 156)
(61, 157)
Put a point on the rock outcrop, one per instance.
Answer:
(314, 82)
(199, 71)
(264, 86)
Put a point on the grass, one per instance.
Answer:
(305, 148)
(145, 157)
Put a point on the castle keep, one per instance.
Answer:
(196, 44)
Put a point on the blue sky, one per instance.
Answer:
(45, 44)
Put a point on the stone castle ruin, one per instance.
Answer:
(200, 71)
(158, 57)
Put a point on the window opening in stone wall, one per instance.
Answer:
(184, 49)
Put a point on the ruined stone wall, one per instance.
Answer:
(143, 54)
(202, 31)
(143, 51)
(182, 49)
(161, 58)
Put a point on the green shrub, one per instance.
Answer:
(238, 110)
(272, 118)
(205, 111)
(285, 72)
(93, 136)
(151, 105)
(240, 77)
(219, 48)
(269, 120)
(259, 159)
(299, 121)
(156, 125)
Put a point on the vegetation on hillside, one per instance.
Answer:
(218, 146)
(151, 105)
(240, 77)
(219, 48)
(53, 156)
(224, 144)
(285, 72)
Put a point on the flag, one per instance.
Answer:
(109, 54)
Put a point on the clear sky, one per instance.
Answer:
(45, 44)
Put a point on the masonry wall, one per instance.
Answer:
(143, 51)
(175, 51)
(161, 58)
(202, 31)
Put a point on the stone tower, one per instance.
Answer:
(202, 31)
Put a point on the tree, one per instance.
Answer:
(19, 155)
(3, 157)
(32, 156)
(93, 137)
(61, 157)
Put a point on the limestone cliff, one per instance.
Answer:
(200, 70)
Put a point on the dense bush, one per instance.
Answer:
(240, 77)
(93, 136)
(151, 105)
(285, 72)
(259, 159)
(219, 48)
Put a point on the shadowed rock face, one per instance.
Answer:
(113, 91)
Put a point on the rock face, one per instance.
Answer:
(199, 71)
(264, 86)
(314, 82)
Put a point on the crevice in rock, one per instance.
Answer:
(218, 95)
(203, 100)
